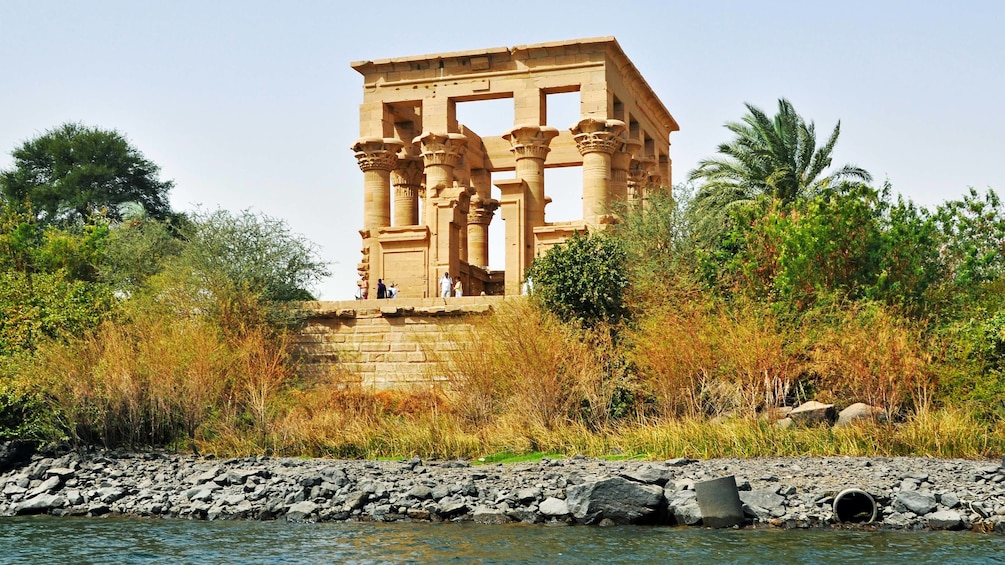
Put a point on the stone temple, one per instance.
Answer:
(428, 180)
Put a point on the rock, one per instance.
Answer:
(63, 473)
(812, 412)
(39, 504)
(949, 500)
(649, 474)
(616, 498)
(917, 502)
(860, 412)
(450, 507)
(109, 495)
(301, 511)
(945, 520)
(49, 485)
(356, 500)
(552, 506)
(767, 499)
(421, 492)
(483, 515)
(528, 494)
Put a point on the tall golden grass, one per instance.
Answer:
(691, 380)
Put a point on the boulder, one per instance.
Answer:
(860, 412)
(764, 501)
(811, 413)
(483, 515)
(917, 502)
(552, 506)
(301, 511)
(682, 506)
(39, 504)
(945, 520)
(650, 474)
(617, 498)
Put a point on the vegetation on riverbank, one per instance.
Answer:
(678, 332)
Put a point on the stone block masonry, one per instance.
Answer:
(394, 343)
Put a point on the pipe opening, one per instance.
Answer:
(855, 506)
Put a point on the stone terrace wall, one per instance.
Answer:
(390, 343)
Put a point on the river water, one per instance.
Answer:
(121, 540)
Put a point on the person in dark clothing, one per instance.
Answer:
(381, 289)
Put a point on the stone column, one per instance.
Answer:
(620, 162)
(407, 181)
(596, 141)
(440, 154)
(377, 157)
(529, 145)
(479, 217)
(638, 179)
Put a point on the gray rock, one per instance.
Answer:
(945, 520)
(649, 474)
(108, 495)
(450, 507)
(49, 485)
(356, 500)
(766, 499)
(917, 502)
(421, 492)
(552, 506)
(483, 515)
(39, 504)
(301, 511)
(64, 473)
(528, 494)
(949, 500)
(616, 498)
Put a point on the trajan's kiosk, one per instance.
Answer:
(428, 180)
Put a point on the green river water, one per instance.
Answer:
(120, 540)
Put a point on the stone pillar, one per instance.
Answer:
(529, 145)
(638, 178)
(440, 154)
(596, 141)
(407, 181)
(620, 162)
(479, 217)
(377, 157)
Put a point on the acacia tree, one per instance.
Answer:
(73, 171)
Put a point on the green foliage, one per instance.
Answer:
(256, 253)
(74, 171)
(769, 159)
(582, 280)
(973, 245)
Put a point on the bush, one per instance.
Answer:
(583, 280)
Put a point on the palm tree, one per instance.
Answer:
(770, 160)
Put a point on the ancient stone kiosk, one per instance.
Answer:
(428, 180)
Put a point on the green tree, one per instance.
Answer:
(582, 280)
(770, 159)
(70, 172)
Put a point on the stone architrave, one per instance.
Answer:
(597, 140)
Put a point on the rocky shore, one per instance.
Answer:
(909, 492)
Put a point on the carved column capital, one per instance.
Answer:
(598, 136)
(377, 153)
(623, 156)
(481, 211)
(441, 148)
(530, 141)
(407, 172)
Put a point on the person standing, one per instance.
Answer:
(393, 290)
(458, 289)
(445, 284)
(381, 289)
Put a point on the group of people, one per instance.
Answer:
(383, 290)
(450, 287)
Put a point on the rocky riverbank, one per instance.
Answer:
(909, 492)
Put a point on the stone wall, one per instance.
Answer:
(393, 343)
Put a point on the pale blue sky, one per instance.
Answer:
(250, 104)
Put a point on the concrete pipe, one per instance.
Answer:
(719, 502)
(856, 506)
